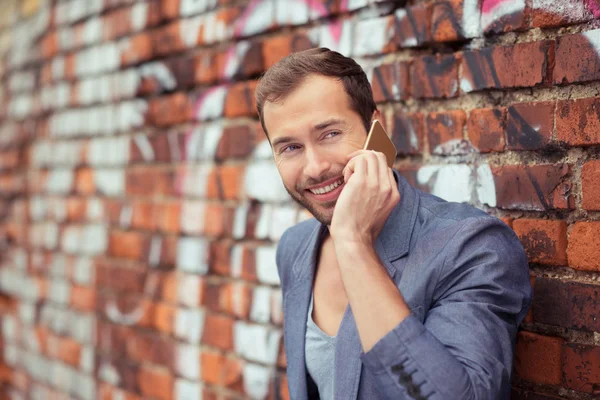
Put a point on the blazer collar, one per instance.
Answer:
(392, 243)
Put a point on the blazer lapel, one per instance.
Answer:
(295, 311)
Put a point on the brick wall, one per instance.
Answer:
(140, 209)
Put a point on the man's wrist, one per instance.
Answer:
(354, 248)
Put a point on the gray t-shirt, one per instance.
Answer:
(320, 355)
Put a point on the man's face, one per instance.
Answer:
(312, 131)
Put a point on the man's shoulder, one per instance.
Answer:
(292, 244)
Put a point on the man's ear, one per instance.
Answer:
(377, 115)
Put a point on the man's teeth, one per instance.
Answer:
(327, 188)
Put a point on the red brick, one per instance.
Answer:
(68, 350)
(276, 47)
(83, 298)
(143, 215)
(435, 76)
(169, 216)
(156, 382)
(412, 26)
(163, 317)
(578, 122)
(206, 67)
(390, 82)
(248, 64)
(544, 241)
(501, 21)
(218, 331)
(590, 185)
(237, 141)
(132, 245)
(139, 49)
(169, 9)
(235, 299)
(570, 305)
(530, 125)
(212, 367)
(407, 132)
(446, 21)
(577, 59)
(167, 39)
(220, 258)
(170, 110)
(538, 358)
(584, 246)
(533, 187)
(561, 14)
(485, 128)
(581, 364)
(240, 100)
(225, 182)
(149, 347)
(521, 65)
(445, 131)
(183, 69)
(84, 181)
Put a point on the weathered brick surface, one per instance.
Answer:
(538, 358)
(140, 208)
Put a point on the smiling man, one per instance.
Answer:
(388, 293)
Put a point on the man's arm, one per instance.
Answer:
(464, 349)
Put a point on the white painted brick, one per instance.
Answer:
(257, 380)
(92, 31)
(108, 373)
(9, 328)
(109, 151)
(187, 362)
(276, 306)
(282, 218)
(83, 327)
(110, 182)
(58, 265)
(261, 304)
(60, 291)
(256, 342)
(263, 226)
(60, 181)
(192, 7)
(30, 340)
(192, 217)
(95, 239)
(87, 359)
(186, 390)
(139, 16)
(71, 239)
(83, 271)
(11, 354)
(212, 103)
(263, 182)
(237, 254)
(266, 266)
(50, 235)
(27, 312)
(192, 255)
(292, 12)
(94, 209)
(239, 221)
(189, 324)
(371, 35)
(194, 180)
(188, 289)
(84, 386)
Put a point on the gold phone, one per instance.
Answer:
(378, 140)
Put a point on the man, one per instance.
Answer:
(388, 293)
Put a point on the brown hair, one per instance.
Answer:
(282, 78)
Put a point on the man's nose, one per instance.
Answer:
(317, 164)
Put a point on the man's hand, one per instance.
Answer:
(369, 195)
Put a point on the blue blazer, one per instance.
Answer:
(465, 277)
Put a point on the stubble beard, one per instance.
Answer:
(322, 217)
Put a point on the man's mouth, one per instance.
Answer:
(327, 188)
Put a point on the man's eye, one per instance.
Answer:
(332, 134)
(290, 148)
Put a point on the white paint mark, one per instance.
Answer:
(237, 255)
(125, 216)
(235, 57)
(108, 373)
(451, 182)
(291, 12)
(83, 271)
(371, 36)
(194, 180)
(192, 255)
(187, 361)
(143, 144)
(139, 16)
(60, 181)
(189, 29)
(192, 7)
(266, 267)
(282, 218)
(95, 239)
(256, 342)
(486, 187)
(92, 31)
(594, 38)
(155, 247)
(211, 104)
(263, 226)
(337, 36)
(258, 17)
(501, 9)
(472, 18)
(239, 220)
(159, 71)
(128, 319)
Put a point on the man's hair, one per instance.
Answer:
(284, 77)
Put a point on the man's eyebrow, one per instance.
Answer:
(327, 123)
(283, 139)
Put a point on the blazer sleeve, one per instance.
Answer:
(464, 348)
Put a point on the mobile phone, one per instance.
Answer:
(378, 140)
